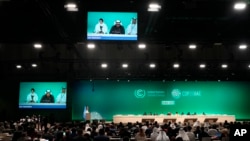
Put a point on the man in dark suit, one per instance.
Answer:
(101, 136)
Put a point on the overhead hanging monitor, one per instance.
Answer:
(116, 26)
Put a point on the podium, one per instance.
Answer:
(149, 120)
(211, 120)
(190, 120)
(88, 117)
(167, 120)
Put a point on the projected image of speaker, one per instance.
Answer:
(112, 26)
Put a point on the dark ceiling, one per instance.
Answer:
(211, 24)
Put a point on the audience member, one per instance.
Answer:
(162, 136)
(140, 136)
(183, 135)
(202, 133)
(154, 134)
(80, 136)
(101, 136)
(190, 134)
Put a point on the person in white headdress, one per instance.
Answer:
(162, 136)
(183, 135)
(132, 27)
(154, 134)
(62, 96)
(118, 28)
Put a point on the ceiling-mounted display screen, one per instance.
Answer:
(116, 26)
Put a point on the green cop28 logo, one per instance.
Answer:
(139, 93)
(176, 93)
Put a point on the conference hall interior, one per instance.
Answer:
(124, 70)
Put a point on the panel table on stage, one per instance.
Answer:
(173, 118)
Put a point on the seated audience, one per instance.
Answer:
(140, 136)
(154, 134)
(183, 135)
(190, 134)
(162, 136)
(101, 136)
(202, 133)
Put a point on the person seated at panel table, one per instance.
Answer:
(47, 97)
(32, 96)
(132, 27)
(61, 97)
(101, 27)
(117, 28)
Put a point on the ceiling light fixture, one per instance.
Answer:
(224, 66)
(240, 6)
(71, 7)
(192, 46)
(141, 46)
(37, 45)
(243, 46)
(124, 65)
(34, 65)
(104, 65)
(176, 65)
(202, 65)
(18, 66)
(91, 46)
(154, 7)
(152, 65)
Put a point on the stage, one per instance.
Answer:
(173, 118)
